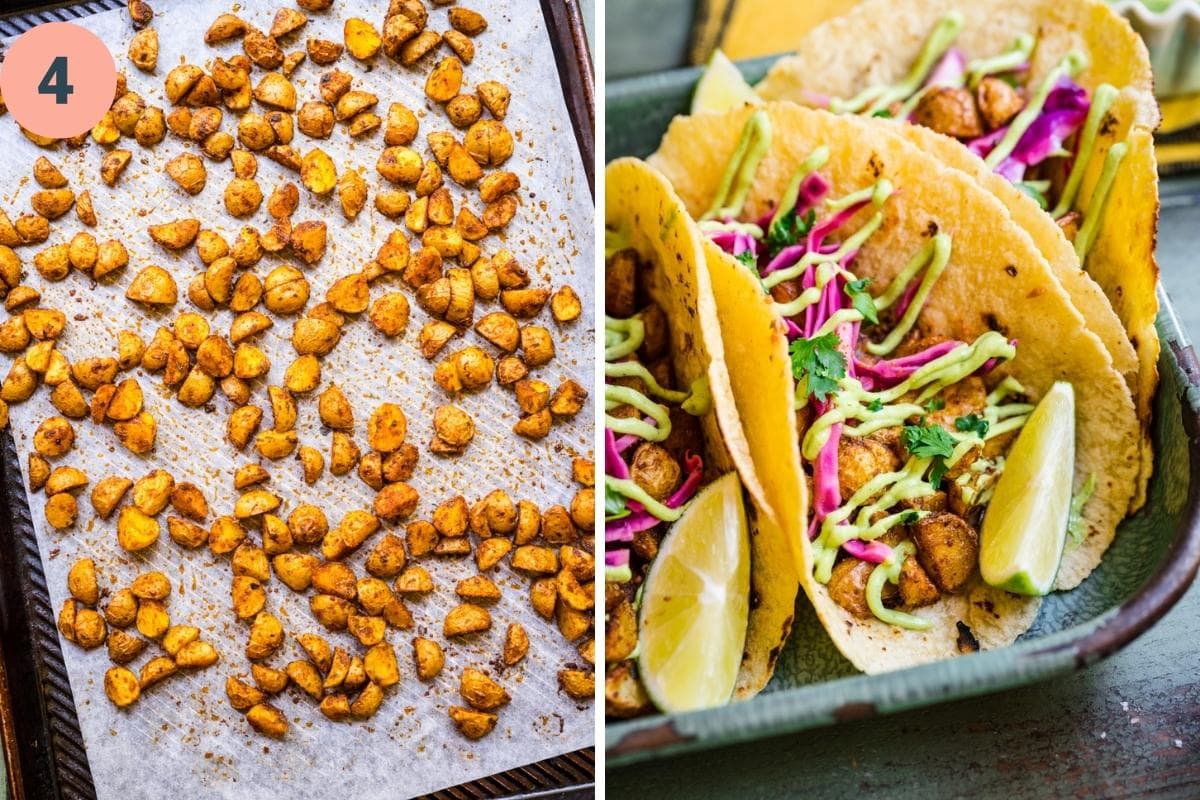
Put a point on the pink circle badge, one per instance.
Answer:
(58, 79)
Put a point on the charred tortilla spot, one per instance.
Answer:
(1109, 123)
(967, 643)
(1035, 292)
(1011, 270)
(931, 229)
(875, 165)
(992, 323)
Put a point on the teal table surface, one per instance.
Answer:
(1127, 727)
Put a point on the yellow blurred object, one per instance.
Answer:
(765, 27)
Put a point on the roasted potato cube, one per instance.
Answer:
(151, 586)
(380, 665)
(947, 549)
(267, 720)
(81, 582)
(466, 619)
(271, 681)
(152, 618)
(480, 691)
(121, 687)
(136, 530)
(362, 39)
(516, 645)
(242, 696)
(472, 724)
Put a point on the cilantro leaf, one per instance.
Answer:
(614, 504)
(861, 300)
(883, 113)
(875, 405)
(933, 442)
(935, 404)
(928, 441)
(820, 362)
(1034, 192)
(789, 229)
(909, 517)
(936, 470)
(748, 259)
(972, 423)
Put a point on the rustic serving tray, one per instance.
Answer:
(39, 731)
(1147, 569)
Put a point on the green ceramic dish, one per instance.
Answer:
(1151, 563)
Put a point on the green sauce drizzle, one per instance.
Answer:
(739, 172)
(1102, 101)
(889, 572)
(816, 159)
(1091, 224)
(878, 98)
(1014, 57)
(939, 257)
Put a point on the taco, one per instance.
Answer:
(672, 432)
(1051, 104)
(922, 327)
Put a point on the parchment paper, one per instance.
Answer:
(182, 739)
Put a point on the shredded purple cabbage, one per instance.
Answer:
(614, 464)
(874, 552)
(886, 374)
(623, 530)
(950, 70)
(1065, 111)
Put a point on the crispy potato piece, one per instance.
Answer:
(466, 619)
(308, 241)
(577, 683)
(121, 687)
(177, 637)
(176, 235)
(490, 552)
(472, 724)
(271, 681)
(295, 570)
(225, 535)
(242, 696)
(267, 720)
(287, 20)
(402, 126)
(266, 636)
(151, 586)
(152, 619)
(386, 428)
(155, 670)
(187, 170)
(318, 173)
(223, 28)
(152, 492)
(65, 479)
(332, 612)
(379, 662)
(82, 583)
(444, 80)
(477, 589)
(249, 596)
(197, 655)
(362, 39)
(121, 610)
(516, 644)
(323, 52)
(350, 294)
(480, 691)
(123, 648)
(136, 530)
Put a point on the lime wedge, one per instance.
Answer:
(1026, 523)
(721, 87)
(695, 603)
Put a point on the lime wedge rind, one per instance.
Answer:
(1025, 529)
(695, 603)
(722, 88)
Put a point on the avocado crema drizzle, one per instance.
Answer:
(628, 507)
(940, 64)
(883, 394)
